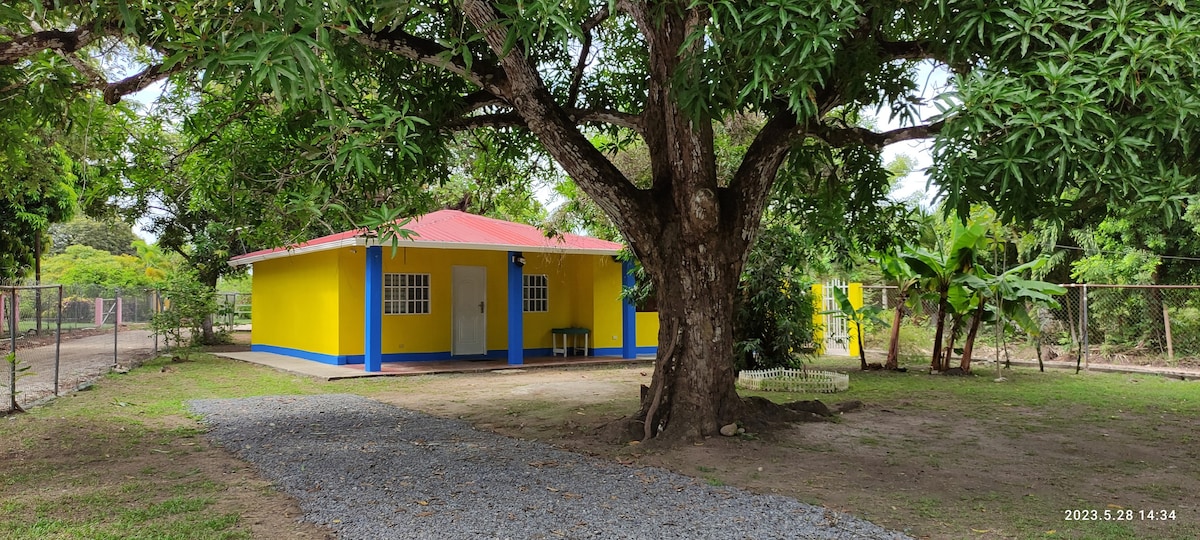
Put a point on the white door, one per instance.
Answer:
(837, 329)
(469, 293)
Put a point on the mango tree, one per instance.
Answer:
(1047, 105)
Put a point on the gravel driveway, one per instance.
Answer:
(374, 471)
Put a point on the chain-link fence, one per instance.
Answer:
(1128, 324)
(56, 338)
(233, 309)
(1124, 324)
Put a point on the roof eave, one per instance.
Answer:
(353, 241)
(359, 241)
(497, 247)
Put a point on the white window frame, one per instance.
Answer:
(406, 294)
(535, 293)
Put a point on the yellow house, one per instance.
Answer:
(463, 287)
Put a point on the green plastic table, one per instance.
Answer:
(573, 334)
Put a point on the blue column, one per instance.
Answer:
(373, 318)
(628, 315)
(516, 312)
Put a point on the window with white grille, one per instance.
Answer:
(535, 293)
(405, 294)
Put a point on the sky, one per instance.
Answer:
(934, 80)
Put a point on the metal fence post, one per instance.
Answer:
(1083, 317)
(58, 339)
(12, 340)
(116, 323)
(153, 312)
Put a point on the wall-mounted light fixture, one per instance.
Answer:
(518, 259)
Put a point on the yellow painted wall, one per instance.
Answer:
(647, 329)
(417, 333)
(352, 269)
(606, 303)
(563, 297)
(295, 303)
(314, 302)
(854, 291)
(583, 271)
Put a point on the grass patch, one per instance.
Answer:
(125, 460)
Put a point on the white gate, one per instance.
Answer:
(837, 329)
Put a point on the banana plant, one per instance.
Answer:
(858, 316)
(938, 272)
(906, 279)
(1008, 295)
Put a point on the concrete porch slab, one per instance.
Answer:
(394, 369)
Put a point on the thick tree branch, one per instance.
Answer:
(480, 99)
(585, 48)
(850, 135)
(113, 92)
(493, 120)
(68, 41)
(604, 116)
(513, 119)
(760, 164)
(67, 44)
(557, 130)
(481, 73)
(906, 50)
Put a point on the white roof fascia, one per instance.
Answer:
(354, 241)
(357, 241)
(495, 247)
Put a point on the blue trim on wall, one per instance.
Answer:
(330, 359)
(373, 318)
(628, 314)
(495, 354)
(516, 311)
(614, 351)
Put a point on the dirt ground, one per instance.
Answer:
(932, 472)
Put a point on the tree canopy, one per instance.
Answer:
(112, 236)
(1049, 104)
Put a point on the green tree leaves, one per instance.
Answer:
(1076, 102)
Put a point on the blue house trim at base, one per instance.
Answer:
(496, 354)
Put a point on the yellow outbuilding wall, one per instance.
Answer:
(297, 302)
(312, 305)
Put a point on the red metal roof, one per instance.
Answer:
(452, 229)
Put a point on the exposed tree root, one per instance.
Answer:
(758, 415)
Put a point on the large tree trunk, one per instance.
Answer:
(955, 332)
(893, 355)
(692, 393)
(690, 230)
